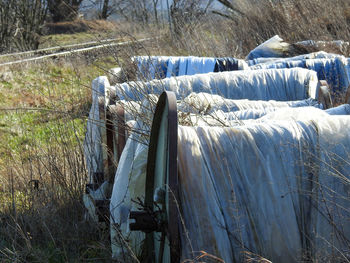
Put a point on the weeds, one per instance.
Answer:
(44, 108)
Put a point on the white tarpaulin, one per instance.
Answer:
(300, 113)
(92, 142)
(204, 103)
(336, 71)
(271, 60)
(277, 189)
(129, 184)
(158, 67)
(273, 47)
(249, 172)
(266, 84)
(284, 84)
(340, 110)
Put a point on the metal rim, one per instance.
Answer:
(166, 104)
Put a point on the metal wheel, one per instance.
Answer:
(160, 220)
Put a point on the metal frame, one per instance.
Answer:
(115, 138)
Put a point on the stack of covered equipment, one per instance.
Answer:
(158, 67)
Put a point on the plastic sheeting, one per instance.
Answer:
(248, 114)
(129, 184)
(294, 114)
(274, 189)
(204, 103)
(151, 67)
(278, 84)
(285, 84)
(93, 136)
(335, 71)
(313, 55)
(130, 176)
(273, 47)
(158, 67)
(340, 110)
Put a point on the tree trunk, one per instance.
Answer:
(155, 3)
(104, 13)
(64, 10)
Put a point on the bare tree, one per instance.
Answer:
(144, 11)
(105, 8)
(64, 10)
(155, 6)
(8, 23)
(136, 10)
(187, 12)
(104, 13)
(234, 9)
(21, 23)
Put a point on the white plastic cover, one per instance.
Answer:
(130, 176)
(248, 114)
(151, 67)
(129, 183)
(273, 47)
(266, 84)
(197, 65)
(294, 114)
(92, 142)
(204, 103)
(335, 69)
(340, 110)
(313, 55)
(277, 189)
(286, 84)
(157, 67)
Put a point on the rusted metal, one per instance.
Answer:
(110, 146)
(173, 220)
(115, 136)
(121, 141)
(166, 103)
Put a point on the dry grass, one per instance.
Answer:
(45, 143)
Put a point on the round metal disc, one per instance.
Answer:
(162, 178)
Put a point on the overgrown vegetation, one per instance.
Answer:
(42, 127)
(44, 106)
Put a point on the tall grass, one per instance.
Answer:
(44, 109)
